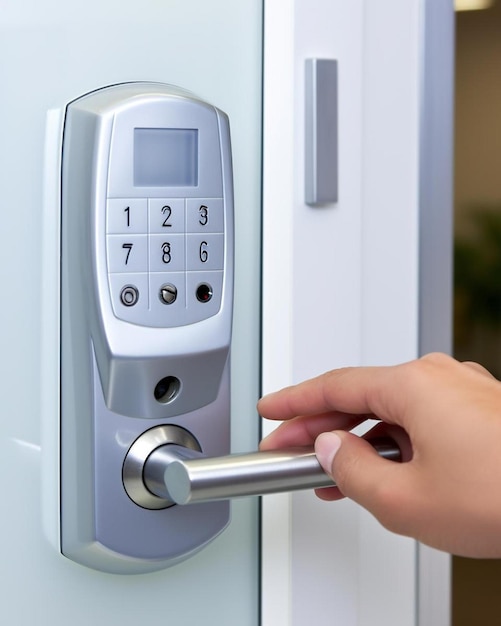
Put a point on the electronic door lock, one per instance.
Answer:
(142, 191)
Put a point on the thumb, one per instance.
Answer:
(362, 475)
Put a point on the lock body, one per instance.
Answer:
(146, 288)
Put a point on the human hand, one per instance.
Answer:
(446, 418)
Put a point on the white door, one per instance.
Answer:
(362, 280)
(50, 53)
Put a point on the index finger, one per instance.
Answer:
(353, 390)
(303, 430)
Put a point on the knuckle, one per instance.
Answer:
(437, 359)
(424, 369)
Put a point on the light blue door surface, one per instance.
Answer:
(50, 53)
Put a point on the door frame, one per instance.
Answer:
(414, 171)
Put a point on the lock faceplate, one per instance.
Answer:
(133, 357)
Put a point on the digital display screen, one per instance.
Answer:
(165, 157)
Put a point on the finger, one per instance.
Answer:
(329, 494)
(379, 431)
(478, 368)
(303, 430)
(379, 485)
(361, 390)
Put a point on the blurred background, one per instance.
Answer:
(477, 308)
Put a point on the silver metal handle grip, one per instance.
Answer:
(179, 474)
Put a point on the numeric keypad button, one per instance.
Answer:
(167, 310)
(203, 294)
(167, 253)
(127, 253)
(127, 215)
(204, 215)
(204, 252)
(166, 216)
(129, 296)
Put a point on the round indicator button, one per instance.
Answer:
(204, 292)
(129, 295)
(168, 293)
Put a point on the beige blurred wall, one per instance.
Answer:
(478, 109)
(477, 583)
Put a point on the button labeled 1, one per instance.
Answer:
(127, 215)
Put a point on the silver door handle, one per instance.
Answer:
(183, 476)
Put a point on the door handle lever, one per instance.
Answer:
(183, 476)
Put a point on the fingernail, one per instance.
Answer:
(326, 447)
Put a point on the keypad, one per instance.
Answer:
(165, 259)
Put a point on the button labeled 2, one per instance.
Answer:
(166, 216)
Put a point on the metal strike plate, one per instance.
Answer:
(321, 131)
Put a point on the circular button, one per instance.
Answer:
(168, 293)
(204, 292)
(129, 295)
